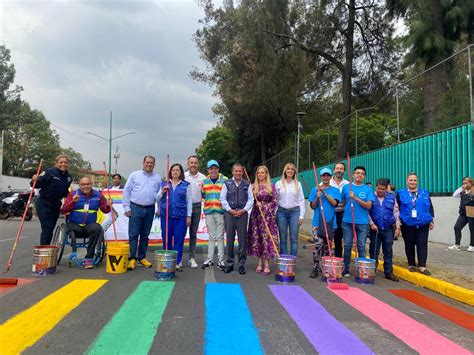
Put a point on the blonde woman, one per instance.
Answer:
(259, 243)
(290, 213)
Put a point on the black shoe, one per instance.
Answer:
(207, 264)
(221, 266)
(229, 269)
(241, 270)
(392, 277)
(411, 268)
(426, 272)
(313, 274)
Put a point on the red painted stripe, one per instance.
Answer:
(4, 289)
(452, 314)
(416, 335)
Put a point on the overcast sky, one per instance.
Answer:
(79, 60)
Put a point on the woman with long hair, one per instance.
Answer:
(466, 213)
(259, 243)
(416, 215)
(291, 208)
(176, 193)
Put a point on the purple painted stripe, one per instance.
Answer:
(324, 332)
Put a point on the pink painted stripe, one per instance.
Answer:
(414, 334)
(4, 289)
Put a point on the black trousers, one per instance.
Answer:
(93, 231)
(48, 214)
(236, 224)
(193, 228)
(416, 237)
(338, 236)
(460, 224)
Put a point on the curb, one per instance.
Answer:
(447, 289)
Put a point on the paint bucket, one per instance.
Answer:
(285, 268)
(331, 269)
(45, 260)
(365, 271)
(165, 264)
(117, 257)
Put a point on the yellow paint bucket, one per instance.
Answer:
(117, 257)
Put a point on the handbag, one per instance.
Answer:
(470, 211)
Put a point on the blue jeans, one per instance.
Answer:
(288, 218)
(361, 232)
(139, 226)
(177, 232)
(384, 237)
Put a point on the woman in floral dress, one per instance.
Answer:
(259, 242)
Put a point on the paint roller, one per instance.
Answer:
(14, 281)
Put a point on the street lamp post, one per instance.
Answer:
(110, 142)
(299, 114)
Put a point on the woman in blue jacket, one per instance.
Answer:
(179, 200)
(417, 217)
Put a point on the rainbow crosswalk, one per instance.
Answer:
(230, 326)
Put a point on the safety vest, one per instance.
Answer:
(382, 215)
(82, 215)
(420, 203)
(177, 204)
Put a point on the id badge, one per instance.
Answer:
(86, 207)
(413, 214)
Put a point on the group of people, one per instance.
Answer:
(264, 216)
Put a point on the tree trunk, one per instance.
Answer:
(435, 79)
(343, 136)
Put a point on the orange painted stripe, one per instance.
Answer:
(452, 314)
(4, 289)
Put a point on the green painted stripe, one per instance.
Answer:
(132, 329)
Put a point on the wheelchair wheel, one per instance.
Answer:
(100, 250)
(59, 239)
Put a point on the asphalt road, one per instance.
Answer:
(182, 330)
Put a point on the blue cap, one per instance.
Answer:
(211, 163)
(325, 171)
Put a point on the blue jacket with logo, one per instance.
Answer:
(382, 215)
(421, 202)
(79, 215)
(177, 201)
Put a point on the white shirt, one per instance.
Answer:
(195, 182)
(333, 183)
(290, 196)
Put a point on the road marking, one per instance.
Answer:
(26, 328)
(209, 275)
(452, 314)
(323, 331)
(226, 305)
(132, 329)
(9, 240)
(4, 289)
(416, 335)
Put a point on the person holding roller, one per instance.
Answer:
(54, 185)
(177, 194)
(383, 219)
(330, 197)
(357, 199)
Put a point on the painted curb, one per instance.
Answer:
(447, 289)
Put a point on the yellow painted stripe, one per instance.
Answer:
(26, 328)
(447, 289)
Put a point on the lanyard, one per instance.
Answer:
(413, 200)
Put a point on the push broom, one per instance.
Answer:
(331, 285)
(14, 281)
(263, 217)
(167, 200)
(352, 205)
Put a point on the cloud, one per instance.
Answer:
(77, 61)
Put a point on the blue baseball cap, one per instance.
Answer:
(325, 171)
(212, 163)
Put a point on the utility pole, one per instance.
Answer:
(110, 142)
(116, 157)
(299, 114)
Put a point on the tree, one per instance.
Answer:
(436, 27)
(218, 145)
(77, 165)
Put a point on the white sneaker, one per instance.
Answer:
(471, 248)
(192, 263)
(455, 247)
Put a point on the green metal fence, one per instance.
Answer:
(440, 159)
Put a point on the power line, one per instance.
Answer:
(75, 134)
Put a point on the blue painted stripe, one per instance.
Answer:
(229, 324)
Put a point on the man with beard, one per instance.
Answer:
(338, 182)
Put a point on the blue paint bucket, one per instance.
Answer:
(165, 264)
(285, 268)
(45, 260)
(365, 271)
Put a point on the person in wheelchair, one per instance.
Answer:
(82, 206)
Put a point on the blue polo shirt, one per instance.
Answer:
(361, 215)
(329, 209)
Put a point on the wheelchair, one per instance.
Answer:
(62, 237)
